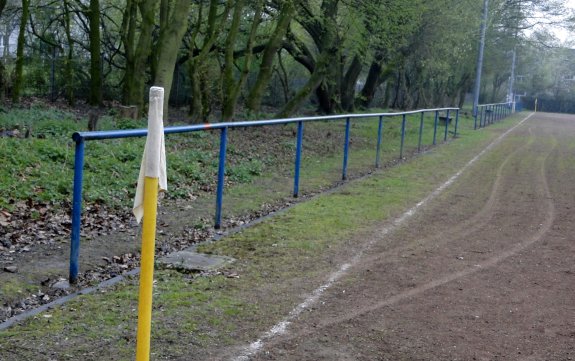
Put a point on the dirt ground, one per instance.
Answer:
(485, 271)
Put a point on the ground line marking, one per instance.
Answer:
(280, 328)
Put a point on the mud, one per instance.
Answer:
(483, 272)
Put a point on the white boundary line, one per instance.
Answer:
(281, 327)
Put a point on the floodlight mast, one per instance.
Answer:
(480, 57)
(511, 96)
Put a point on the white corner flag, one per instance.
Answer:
(154, 159)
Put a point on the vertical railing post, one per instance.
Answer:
(435, 127)
(298, 148)
(491, 113)
(76, 209)
(456, 123)
(345, 149)
(446, 126)
(379, 136)
(420, 132)
(221, 177)
(475, 121)
(403, 121)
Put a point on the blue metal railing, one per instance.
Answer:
(490, 113)
(81, 137)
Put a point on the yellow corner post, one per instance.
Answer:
(147, 269)
(152, 179)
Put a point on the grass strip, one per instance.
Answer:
(278, 263)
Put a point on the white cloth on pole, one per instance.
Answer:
(154, 159)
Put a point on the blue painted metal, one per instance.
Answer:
(456, 123)
(345, 149)
(436, 120)
(76, 210)
(298, 148)
(475, 121)
(379, 136)
(132, 133)
(81, 137)
(492, 113)
(403, 121)
(420, 132)
(446, 127)
(221, 178)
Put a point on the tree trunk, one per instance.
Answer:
(172, 29)
(2, 70)
(266, 66)
(95, 54)
(18, 74)
(231, 87)
(137, 52)
(348, 84)
(372, 81)
(199, 102)
(196, 101)
(69, 69)
(313, 82)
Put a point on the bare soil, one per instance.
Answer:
(484, 272)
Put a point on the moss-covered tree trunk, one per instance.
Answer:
(199, 100)
(95, 50)
(2, 70)
(173, 26)
(255, 96)
(137, 49)
(232, 87)
(69, 68)
(19, 71)
(326, 70)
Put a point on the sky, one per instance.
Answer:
(563, 34)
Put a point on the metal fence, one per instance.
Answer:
(490, 113)
(81, 137)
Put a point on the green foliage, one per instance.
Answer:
(245, 172)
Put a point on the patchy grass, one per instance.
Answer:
(40, 168)
(278, 263)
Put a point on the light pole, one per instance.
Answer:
(511, 96)
(480, 58)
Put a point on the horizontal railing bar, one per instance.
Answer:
(132, 133)
(488, 105)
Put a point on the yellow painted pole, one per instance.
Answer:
(152, 178)
(147, 269)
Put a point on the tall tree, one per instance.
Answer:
(95, 53)
(173, 26)
(285, 16)
(69, 66)
(232, 87)
(138, 15)
(321, 25)
(2, 70)
(202, 42)
(19, 71)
